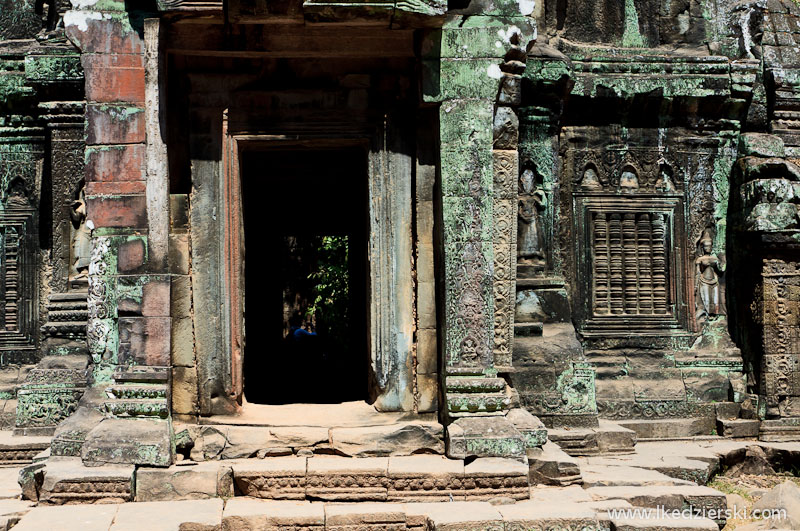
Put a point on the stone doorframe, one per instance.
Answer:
(219, 273)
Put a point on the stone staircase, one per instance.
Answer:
(139, 392)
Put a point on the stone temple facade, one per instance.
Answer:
(567, 219)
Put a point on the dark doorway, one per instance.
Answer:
(306, 234)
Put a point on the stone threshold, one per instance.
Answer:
(345, 415)
(199, 443)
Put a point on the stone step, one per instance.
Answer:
(607, 438)
(738, 428)
(575, 441)
(780, 430)
(20, 449)
(675, 459)
(141, 391)
(144, 374)
(672, 428)
(668, 497)
(550, 465)
(138, 408)
(417, 478)
(528, 329)
(598, 475)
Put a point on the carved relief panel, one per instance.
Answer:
(627, 236)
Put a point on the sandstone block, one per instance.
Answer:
(267, 515)
(67, 480)
(761, 145)
(389, 440)
(534, 515)
(184, 390)
(70, 518)
(484, 437)
(114, 124)
(364, 516)
(129, 440)
(735, 428)
(492, 477)
(114, 77)
(110, 34)
(550, 465)
(128, 211)
(116, 163)
(248, 441)
(169, 516)
(333, 478)
(278, 478)
(421, 478)
(458, 516)
(144, 340)
(204, 480)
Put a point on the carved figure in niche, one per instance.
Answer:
(708, 269)
(81, 238)
(532, 199)
(590, 180)
(664, 182)
(629, 181)
(17, 195)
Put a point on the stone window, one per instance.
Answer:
(631, 267)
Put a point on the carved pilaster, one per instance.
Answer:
(780, 365)
(21, 153)
(65, 126)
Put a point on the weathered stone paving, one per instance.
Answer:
(414, 492)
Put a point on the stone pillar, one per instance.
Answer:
(127, 207)
(465, 70)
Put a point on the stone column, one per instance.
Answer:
(127, 207)
(464, 70)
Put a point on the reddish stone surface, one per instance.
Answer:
(124, 187)
(114, 77)
(117, 211)
(116, 163)
(155, 295)
(144, 340)
(155, 298)
(131, 256)
(114, 124)
(111, 34)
